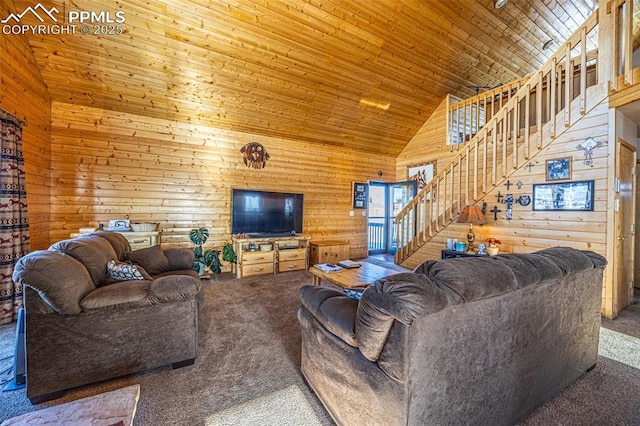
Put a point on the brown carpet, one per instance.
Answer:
(249, 360)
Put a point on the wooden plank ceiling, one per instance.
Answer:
(363, 74)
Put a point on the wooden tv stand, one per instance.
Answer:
(283, 254)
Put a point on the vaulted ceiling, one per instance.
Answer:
(363, 74)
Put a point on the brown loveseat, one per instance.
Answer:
(479, 341)
(83, 327)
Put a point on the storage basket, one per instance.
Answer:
(144, 227)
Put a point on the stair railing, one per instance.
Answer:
(622, 57)
(468, 116)
(507, 142)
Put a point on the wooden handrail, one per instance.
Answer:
(508, 134)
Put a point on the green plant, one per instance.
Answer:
(229, 254)
(208, 257)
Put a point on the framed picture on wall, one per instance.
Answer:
(563, 196)
(360, 195)
(558, 169)
(422, 173)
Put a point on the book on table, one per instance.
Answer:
(349, 264)
(328, 267)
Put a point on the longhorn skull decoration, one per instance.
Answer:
(588, 146)
(255, 155)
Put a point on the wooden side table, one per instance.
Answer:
(450, 254)
(137, 240)
(328, 251)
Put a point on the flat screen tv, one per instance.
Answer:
(261, 213)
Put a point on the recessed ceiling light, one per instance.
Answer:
(500, 3)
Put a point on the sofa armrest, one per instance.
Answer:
(174, 287)
(179, 258)
(401, 297)
(335, 311)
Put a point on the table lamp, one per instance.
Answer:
(473, 216)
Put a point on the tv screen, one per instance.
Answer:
(260, 213)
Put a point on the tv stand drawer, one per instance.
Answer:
(292, 254)
(252, 258)
(257, 269)
(292, 265)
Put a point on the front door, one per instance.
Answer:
(385, 201)
(625, 224)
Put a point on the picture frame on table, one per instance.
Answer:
(564, 196)
(558, 169)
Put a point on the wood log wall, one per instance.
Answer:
(110, 165)
(23, 93)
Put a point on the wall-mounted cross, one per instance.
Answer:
(499, 197)
(508, 184)
(519, 184)
(530, 165)
(495, 210)
(509, 200)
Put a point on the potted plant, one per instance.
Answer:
(493, 248)
(204, 258)
(229, 254)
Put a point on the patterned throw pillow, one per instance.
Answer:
(125, 272)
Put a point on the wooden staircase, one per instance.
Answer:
(500, 131)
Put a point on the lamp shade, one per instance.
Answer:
(471, 214)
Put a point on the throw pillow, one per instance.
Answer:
(152, 259)
(354, 293)
(125, 272)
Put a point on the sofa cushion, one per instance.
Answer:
(142, 292)
(118, 241)
(121, 295)
(152, 259)
(471, 277)
(569, 260)
(121, 271)
(60, 280)
(530, 269)
(335, 311)
(92, 251)
(402, 297)
(179, 258)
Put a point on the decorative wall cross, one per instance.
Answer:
(530, 165)
(508, 184)
(495, 210)
(509, 200)
(499, 197)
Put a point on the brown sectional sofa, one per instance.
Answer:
(83, 327)
(480, 341)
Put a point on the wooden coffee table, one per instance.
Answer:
(366, 274)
